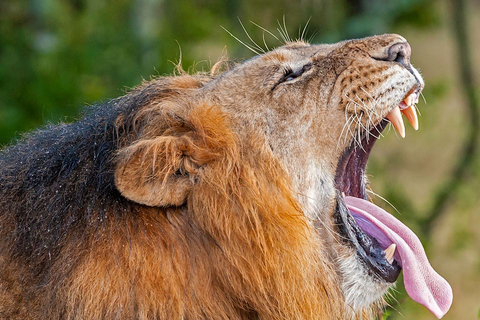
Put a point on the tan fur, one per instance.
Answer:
(230, 179)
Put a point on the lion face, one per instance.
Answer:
(313, 102)
(316, 110)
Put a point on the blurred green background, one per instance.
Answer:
(58, 56)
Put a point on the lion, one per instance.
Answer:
(239, 194)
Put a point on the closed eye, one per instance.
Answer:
(291, 74)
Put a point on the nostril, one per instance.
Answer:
(400, 52)
(400, 57)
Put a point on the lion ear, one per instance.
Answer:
(157, 172)
(163, 170)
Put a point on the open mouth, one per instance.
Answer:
(350, 182)
(384, 244)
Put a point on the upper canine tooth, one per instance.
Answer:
(395, 118)
(411, 114)
(389, 252)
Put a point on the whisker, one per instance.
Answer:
(424, 100)
(251, 40)
(267, 31)
(359, 117)
(357, 128)
(370, 109)
(418, 110)
(350, 131)
(389, 127)
(246, 45)
(286, 29)
(310, 39)
(347, 120)
(264, 42)
(388, 202)
(283, 32)
(348, 123)
(390, 296)
(282, 35)
(305, 29)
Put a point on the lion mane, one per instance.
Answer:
(152, 207)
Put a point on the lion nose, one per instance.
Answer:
(400, 52)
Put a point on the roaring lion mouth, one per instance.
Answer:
(383, 243)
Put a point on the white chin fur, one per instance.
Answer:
(361, 289)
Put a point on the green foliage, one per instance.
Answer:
(379, 16)
(58, 55)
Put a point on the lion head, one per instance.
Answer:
(242, 194)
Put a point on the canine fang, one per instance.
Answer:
(389, 252)
(395, 118)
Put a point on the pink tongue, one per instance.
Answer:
(422, 283)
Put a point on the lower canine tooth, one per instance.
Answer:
(395, 118)
(411, 114)
(389, 252)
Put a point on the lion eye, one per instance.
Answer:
(291, 74)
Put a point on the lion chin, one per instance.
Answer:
(239, 194)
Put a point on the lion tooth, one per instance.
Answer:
(389, 252)
(411, 115)
(395, 117)
(409, 100)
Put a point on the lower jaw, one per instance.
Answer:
(368, 251)
(363, 291)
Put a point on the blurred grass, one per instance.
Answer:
(57, 56)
